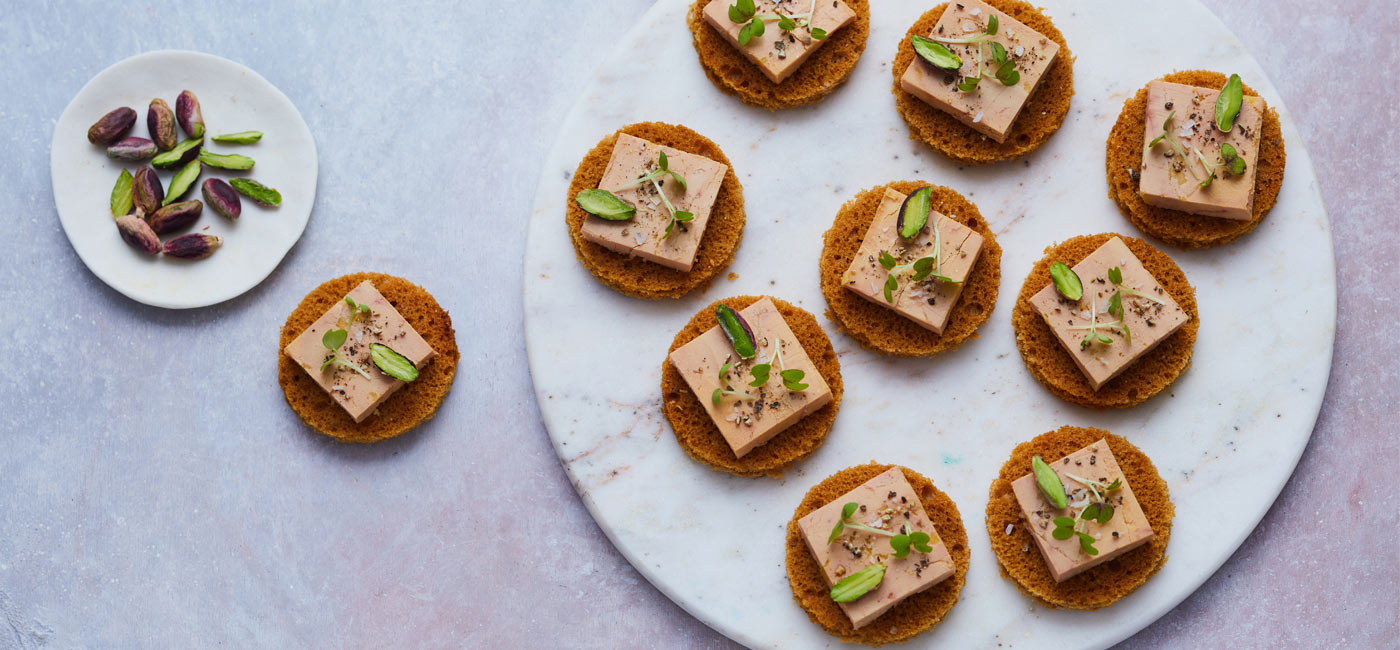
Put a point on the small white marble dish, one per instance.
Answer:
(233, 98)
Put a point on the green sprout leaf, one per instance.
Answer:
(1066, 281)
(786, 24)
(918, 540)
(1064, 528)
(900, 544)
(1115, 275)
(121, 195)
(1227, 103)
(736, 330)
(937, 54)
(242, 137)
(858, 584)
(998, 52)
(717, 396)
(333, 339)
(1050, 484)
(392, 363)
(1115, 304)
(605, 204)
(1234, 163)
(992, 25)
(1116, 484)
(760, 374)
(683, 216)
(968, 84)
(846, 512)
(923, 267)
(792, 379)
(886, 260)
(818, 33)
(1101, 512)
(890, 285)
(1007, 74)
(1086, 542)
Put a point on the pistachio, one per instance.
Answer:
(259, 193)
(182, 182)
(225, 161)
(146, 191)
(160, 121)
(913, 214)
(121, 195)
(737, 330)
(131, 149)
(188, 114)
(182, 154)
(194, 246)
(222, 198)
(138, 233)
(112, 127)
(392, 363)
(175, 216)
(242, 137)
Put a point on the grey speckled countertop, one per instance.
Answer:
(156, 492)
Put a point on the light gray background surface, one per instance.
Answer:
(155, 491)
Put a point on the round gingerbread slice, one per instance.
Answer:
(1056, 370)
(820, 74)
(1102, 585)
(1040, 118)
(1123, 160)
(634, 276)
(414, 403)
(697, 433)
(913, 615)
(879, 328)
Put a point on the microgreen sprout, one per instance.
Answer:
(1093, 328)
(1002, 68)
(1099, 511)
(900, 542)
(332, 340)
(357, 310)
(1115, 275)
(924, 268)
(792, 377)
(1233, 164)
(744, 11)
(726, 388)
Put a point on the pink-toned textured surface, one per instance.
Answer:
(139, 444)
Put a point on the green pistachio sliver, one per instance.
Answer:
(936, 53)
(913, 214)
(225, 161)
(242, 137)
(605, 204)
(121, 195)
(392, 363)
(736, 330)
(858, 584)
(1050, 484)
(182, 181)
(259, 193)
(1066, 281)
(1227, 103)
(172, 157)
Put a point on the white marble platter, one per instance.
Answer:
(232, 98)
(1229, 431)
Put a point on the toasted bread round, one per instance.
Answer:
(411, 405)
(1124, 162)
(699, 436)
(1039, 119)
(1053, 366)
(881, 329)
(1022, 563)
(913, 615)
(634, 276)
(825, 70)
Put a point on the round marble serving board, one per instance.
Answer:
(1226, 436)
(232, 98)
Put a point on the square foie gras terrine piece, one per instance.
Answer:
(887, 502)
(1125, 531)
(991, 107)
(752, 419)
(779, 53)
(1149, 319)
(644, 235)
(356, 394)
(928, 302)
(1172, 183)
